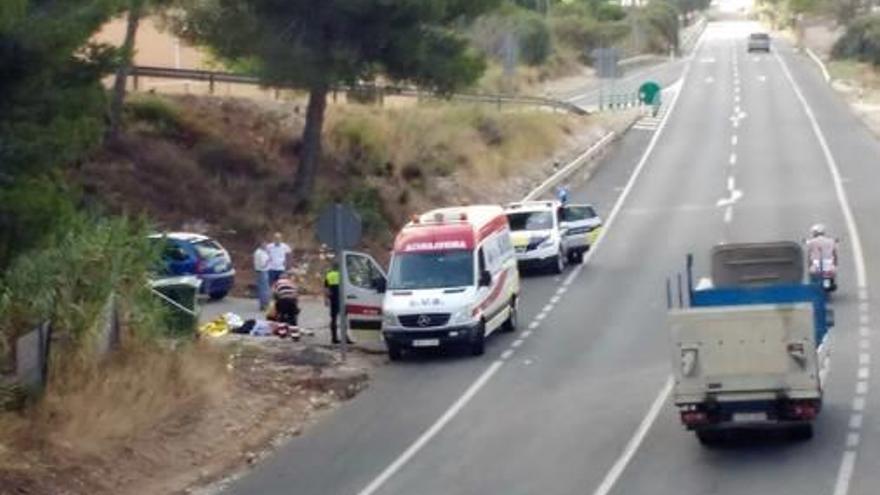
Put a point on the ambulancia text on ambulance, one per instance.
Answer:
(452, 279)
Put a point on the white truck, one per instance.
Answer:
(749, 347)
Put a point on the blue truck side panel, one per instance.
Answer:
(770, 294)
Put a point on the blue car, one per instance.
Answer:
(195, 254)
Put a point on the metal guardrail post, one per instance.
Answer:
(136, 81)
(211, 83)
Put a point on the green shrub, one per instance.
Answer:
(157, 112)
(535, 41)
(861, 41)
(361, 142)
(69, 280)
(368, 203)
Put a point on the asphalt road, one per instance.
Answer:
(575, 402)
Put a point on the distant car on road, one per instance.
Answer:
(186, 253)
(759, 42)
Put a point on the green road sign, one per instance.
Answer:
(649, 93)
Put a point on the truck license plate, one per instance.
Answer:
(426, 343)
(751, 417)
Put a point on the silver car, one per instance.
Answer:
(759, 42)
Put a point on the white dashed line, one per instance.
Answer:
(736, 98)
(728, 214)
(540, 316)
(864, 319)
(864, 359)
(548, 308)
(863, 294)
(852, 440)
(516, 343)
(734, 140)
(855, 421)
(533, 325)
(506, 354)
(864, 344)
(554, 299)
(858, 404)
(864, 373)
(731, 181)
(562, 290)
(526, 334)
(864, 332)
(862, 388)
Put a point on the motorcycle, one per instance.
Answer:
(824, 272)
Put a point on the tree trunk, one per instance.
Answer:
(135, 11)
(310, 152)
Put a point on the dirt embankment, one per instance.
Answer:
(156, 423)
(225, 166)
(160, 422)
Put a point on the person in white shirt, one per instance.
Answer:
(261, 267)
(278, 253)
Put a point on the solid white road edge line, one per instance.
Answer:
(433, 430)
(654, 411)
(847, 463)
(843, 199)
(481, 381)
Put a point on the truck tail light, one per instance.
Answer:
(694, 418)
(806, 410)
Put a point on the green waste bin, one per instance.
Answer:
(180, 297)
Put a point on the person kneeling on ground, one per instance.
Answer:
(286, 301)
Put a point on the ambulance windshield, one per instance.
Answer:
(431, 270)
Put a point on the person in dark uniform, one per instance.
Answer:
(331, 290)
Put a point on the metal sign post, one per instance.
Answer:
(340, 227)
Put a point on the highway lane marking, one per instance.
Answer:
(484, 378)
(555, 299)
(633, 445)
(732, 162)
(862, 388)
(864, 332)
(864, 358)
(548, 308)
(858, 404)
(561, 290)
(516, 343)
(863, 294)
(734, 140)
(847, 464)
(855, 421)
(736, 98)
(506, 354)
(843, 199)
(852, 440)
(864, 373)
(731, 181)
(735, 195)
(863, 307)
(728, 214)
(533, 325)
(526, 334)
(432, 431)
(844, 475)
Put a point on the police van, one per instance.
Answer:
(452, 280)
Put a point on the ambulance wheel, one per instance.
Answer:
(478, 343)
(395, 353)
(512, 318)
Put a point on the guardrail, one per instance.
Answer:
(214, 77)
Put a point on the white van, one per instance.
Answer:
(453, 279)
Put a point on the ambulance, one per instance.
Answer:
(452, 281)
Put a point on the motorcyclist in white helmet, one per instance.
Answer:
(821, 250)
